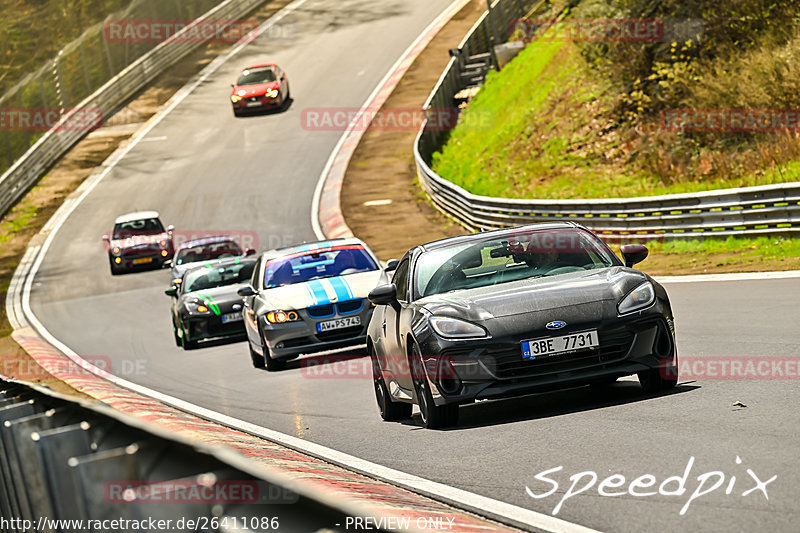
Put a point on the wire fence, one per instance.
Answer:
(51, 109)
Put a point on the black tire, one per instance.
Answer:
(187, 343)
(178, 342)
(270, 363)
(658, 379)
(258, 361)
(433, 416)
(390, 410)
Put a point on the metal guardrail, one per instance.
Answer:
(63, 459)
(58, 140)
(770, 209)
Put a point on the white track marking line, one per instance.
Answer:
(737, 276)
(481, 505)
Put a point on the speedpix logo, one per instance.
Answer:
(745, 483)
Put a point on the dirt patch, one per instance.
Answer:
(30, 214)
(382, 167)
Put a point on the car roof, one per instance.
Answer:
(441, 243)
(260, 65)
(206, 240)
(214, 263)
(308, 246)
(138, 215)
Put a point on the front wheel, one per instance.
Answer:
(433, 416)
(658, 379)
(175, 334)
(390, 410)
(270, 363)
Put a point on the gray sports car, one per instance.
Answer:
(511, 312)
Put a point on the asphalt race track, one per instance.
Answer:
(203, 169)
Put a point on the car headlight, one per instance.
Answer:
(196, 307)
(281, 317)
(163, 243)
(639, 298)
(235, 98)
(272, 94)
(115, 250)
(454, 328)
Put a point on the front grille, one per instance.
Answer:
(340, 334)
(350, 306)
(507, 362)
(254, 99)
(343, 308)
(320, 311)
(213, 327)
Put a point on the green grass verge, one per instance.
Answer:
(550, 133)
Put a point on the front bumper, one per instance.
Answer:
(198, 328)
(495, 368)
(140, 260)
(263, 102)
(287, 341)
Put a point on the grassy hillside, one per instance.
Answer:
(584, 119)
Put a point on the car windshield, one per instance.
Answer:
(205, 252)
(210, 277)
(514, 256)
(255, 76)
(145, 226)
(316, 264)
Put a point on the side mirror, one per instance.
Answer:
(246, 291)
(249, 251)
(391, 265)
(172, 291)
(633, 253)
(106, 238)
(167, 264)
(170, 228)
(384, 295)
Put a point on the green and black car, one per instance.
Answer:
(206, 304)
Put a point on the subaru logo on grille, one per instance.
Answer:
(556, 324)
(237, 307)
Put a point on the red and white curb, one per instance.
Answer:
(380, 498)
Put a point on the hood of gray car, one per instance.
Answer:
(593, 292)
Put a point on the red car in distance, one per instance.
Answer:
(260, 88)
